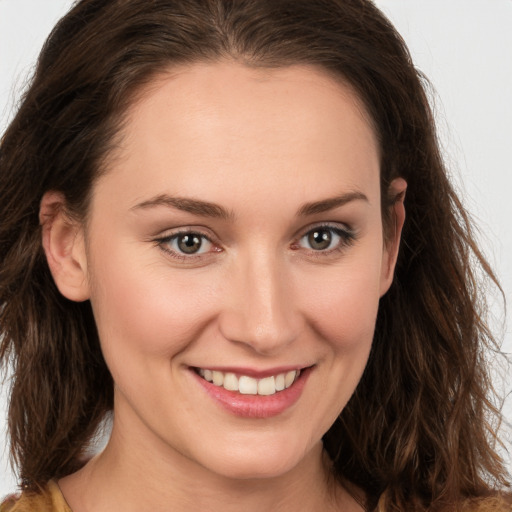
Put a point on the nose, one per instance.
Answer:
(261, 307)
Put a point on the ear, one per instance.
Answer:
(396, 192)
(63, 244)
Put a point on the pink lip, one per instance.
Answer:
(255, 406)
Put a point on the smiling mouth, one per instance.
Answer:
(246, 385)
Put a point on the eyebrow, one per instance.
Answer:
(194, 206)
(330, 203)
(207, 209)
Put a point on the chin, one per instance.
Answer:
(262, 462)
(253, 470)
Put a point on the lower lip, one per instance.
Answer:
(256, 406)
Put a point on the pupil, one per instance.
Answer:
(189, 244)
(320, 239)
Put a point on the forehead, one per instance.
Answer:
(225, 123)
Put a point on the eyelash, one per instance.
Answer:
(347, 237)
(164, 242)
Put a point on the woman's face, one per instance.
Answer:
(237, 236)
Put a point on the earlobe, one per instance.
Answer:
(63, 244)
(396, 191)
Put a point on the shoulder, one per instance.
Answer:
(49, 499)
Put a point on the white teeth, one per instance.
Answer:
(230, 382)
(267, 386)
(280, 382)
(218, 378)
(248, 385)
(289, 378)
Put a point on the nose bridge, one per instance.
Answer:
(261, 310)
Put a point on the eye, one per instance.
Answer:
(326, 238)
(187, 243)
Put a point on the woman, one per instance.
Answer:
(203, 231)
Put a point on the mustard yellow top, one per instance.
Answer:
(52, 500)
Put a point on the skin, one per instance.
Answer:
(260, 144)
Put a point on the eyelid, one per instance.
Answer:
(162, 241)
(347, 234)
(335, 226)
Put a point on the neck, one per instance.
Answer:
(133, 476)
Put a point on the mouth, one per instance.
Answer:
(253, 394)
(247, 385)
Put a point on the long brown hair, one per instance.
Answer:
(419, 431)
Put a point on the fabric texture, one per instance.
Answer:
(52, 500)
(49, 500)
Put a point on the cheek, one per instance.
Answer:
(343, 306)
(144, 312)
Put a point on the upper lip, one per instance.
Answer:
(255, 373)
